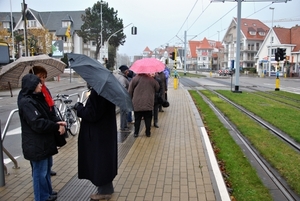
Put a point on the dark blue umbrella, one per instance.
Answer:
(101, 79)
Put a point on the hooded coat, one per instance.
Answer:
(97, 140)
(38, 124)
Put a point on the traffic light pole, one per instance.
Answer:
(185, 53)
(106, 42)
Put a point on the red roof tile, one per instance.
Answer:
(147, 49)
(289, 36)
(205, 44)
(254, 25)
(193, 46)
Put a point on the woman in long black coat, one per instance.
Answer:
(97, 144)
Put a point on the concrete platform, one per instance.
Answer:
(175, 163)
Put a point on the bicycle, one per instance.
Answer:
(67, 113)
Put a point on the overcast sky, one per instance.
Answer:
(163, 22)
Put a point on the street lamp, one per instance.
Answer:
(101, 24)
(114, 34)
(12, 33)
(271, 41)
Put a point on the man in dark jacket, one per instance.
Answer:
(97, 144)
(122, 78)
(38, 139)
(157, 101)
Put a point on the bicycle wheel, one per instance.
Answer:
(73, 122)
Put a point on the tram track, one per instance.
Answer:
(270, 95)
(277, 186)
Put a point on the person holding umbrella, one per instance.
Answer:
(142, 89)
(97, 140)
(97, 144)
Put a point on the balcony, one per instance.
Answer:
(249, 49)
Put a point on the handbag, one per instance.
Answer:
(165, 103)
(158, 99)
(60, 140)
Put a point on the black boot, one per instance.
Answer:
(155, 125)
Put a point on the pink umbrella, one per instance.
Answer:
(147, 65)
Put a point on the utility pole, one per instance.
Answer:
(271, 41)
(12, 33)
(101, 25)
(185, 41)
(25, 27)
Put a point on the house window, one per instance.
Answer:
(262, 33)
(31, 23)
(93, 43)
(203, 58)
(65, 23)
(6, 25)
(253, 33)
(257, 46)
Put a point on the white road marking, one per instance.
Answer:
(15, 131)
(7, 160)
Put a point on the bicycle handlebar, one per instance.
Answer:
(62, 95)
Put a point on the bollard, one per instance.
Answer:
(175, 83)
(277, 83)
(2, 178)
(210, 74)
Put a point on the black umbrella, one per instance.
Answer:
(101, 79)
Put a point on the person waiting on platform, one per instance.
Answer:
(142, 90)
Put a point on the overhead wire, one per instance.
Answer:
(176, 36)
(214, 22)
(187, 16)
(200, 15)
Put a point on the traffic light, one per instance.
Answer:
(283, 54)
(277, 55)
(133, 30)
(280, 54)
(172, 55)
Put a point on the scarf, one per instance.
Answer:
(48, 97)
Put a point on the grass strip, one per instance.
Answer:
(287, 94)
(277, 98)
(278, 114)
(243, 179)
(280, 155)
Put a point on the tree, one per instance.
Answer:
(39, 41)
(91, 29)
(5, 36)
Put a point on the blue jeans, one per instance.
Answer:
(41, 177)
(129, 117)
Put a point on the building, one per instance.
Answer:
(253, 33)
(285, 38)
(205, 54)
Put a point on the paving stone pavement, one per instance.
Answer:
(170, 165)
